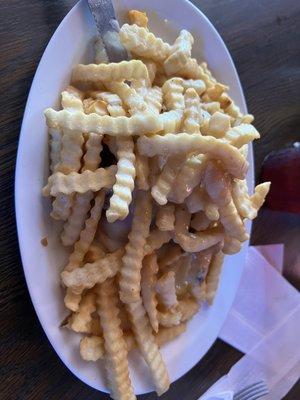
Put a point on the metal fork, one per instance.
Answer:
(108, 28)
(252, 392)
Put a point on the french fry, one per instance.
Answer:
(231, 245)
(138, 18)
(225, 101)
(100, 52)
(199, 221)
(155, 166)
(80, 183)
(213, 276)
(171, 254)
(169, 318)
(81, 203)
(110, 244)
(148, 281)
(199, 292)
(62, 206)
(75, 222)
(208, 73)
(248, 206)
(111, 143)
(197, 84)
(241, 135)
(243, 119)
(113, 101)
(140, 86)
(81, 247)
(143, 43)
(165, 180)
(192, 118)
(217, 185)
(200, 201)
(154, 98)
(79, 321)
(188, 178)
(218, 125)
(171, 121)
(215, 92)
(152, 69)
(71, 99)
(129, 97)
(166, 335)
(180, 53)
(130, 276)
(193, 242)
(123, 187)
(260, 194)
(166, 291)
(244, 150)
(70, 152)
(113, 236)
(233, 110)
(241, 199)
(142, 171)
(173, 94)
(156, 239)
(91, 106)
(94, 253)
(90, 274)
(72, 141)
(72, 299)
(55, 139)
(91, 158)
(165, 217)
(116, 354)
(92, 348)
(200, 263)
(137, 124)
(188, 307)
(211, 107)
(133, 69)
(148, 346)
(191, 70)
(87, 234)
(172, 144)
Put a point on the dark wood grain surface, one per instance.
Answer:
(263, 38)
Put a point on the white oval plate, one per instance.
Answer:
(71, 44)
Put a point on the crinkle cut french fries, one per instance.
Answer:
(148, 174)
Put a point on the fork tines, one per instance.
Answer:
(252, 392)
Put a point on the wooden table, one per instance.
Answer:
(263, 38)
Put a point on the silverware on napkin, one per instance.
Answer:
(254, 391)
(108, 28)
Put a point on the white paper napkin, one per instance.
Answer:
(264, 323)
(273, 253)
